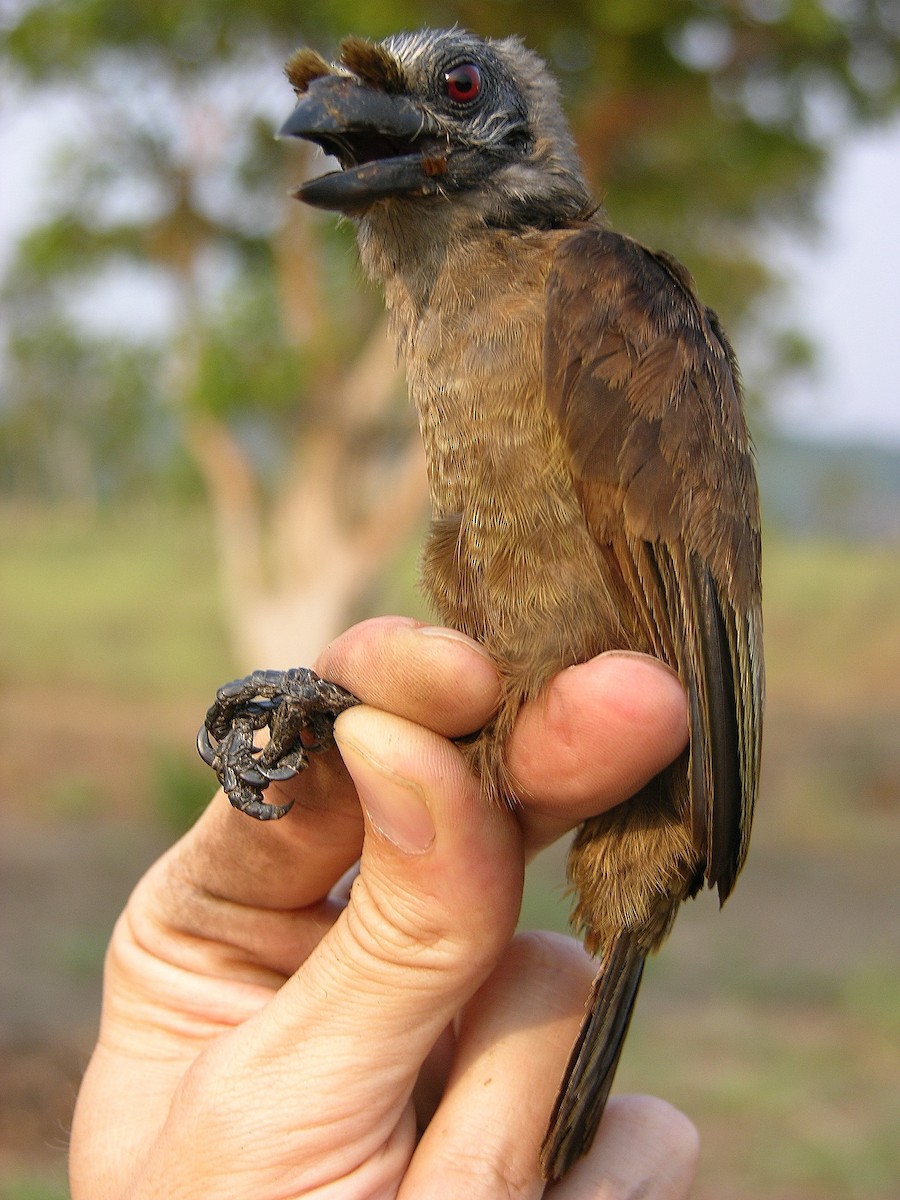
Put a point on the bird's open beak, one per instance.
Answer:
(382, 141)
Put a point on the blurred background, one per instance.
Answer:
(207, 463)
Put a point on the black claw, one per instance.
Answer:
(260, 810)
(205, 746)
(253, 778)
(290, 704)
(280, 774)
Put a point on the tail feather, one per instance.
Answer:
(594, 1058)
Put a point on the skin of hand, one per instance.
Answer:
(264, 1034)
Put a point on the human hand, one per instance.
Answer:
(263, 1038)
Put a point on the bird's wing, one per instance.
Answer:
(645, 389)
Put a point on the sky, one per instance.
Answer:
(845, 293)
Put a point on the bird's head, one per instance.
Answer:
(439, 115)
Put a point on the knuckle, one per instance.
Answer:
(486, 1171)
(553, 965)
(541, 950)
(399, 928)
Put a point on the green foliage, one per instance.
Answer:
(65, 246)
(33, 1186)
(80, 420)
(55, 38)
(180, 787)
(243, 360)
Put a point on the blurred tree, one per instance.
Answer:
(77, 453)
(276, 372)
(702, 122)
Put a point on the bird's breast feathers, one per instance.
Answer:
(510, 557)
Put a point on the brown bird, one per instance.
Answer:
(590, 470)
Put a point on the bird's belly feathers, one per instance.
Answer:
(509, 559)
(531, 591)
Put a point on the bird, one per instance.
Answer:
(590, 470)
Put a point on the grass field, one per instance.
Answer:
(775, 1024)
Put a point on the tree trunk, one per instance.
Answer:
(291, 576)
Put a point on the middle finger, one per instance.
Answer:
(513, 1042)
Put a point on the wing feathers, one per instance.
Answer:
(722, 767)
(645, 390)
(659, 376)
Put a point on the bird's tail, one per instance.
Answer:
(594, 1058)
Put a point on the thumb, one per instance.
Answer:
(438, 892)
(340, 1046)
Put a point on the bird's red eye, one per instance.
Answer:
(463, 83)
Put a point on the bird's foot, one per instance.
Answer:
(299, 710)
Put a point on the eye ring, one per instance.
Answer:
(463, 83)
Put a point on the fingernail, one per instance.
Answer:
(453, 635)
(395, 806)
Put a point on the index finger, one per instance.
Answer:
(597, 733)
(434, 677)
